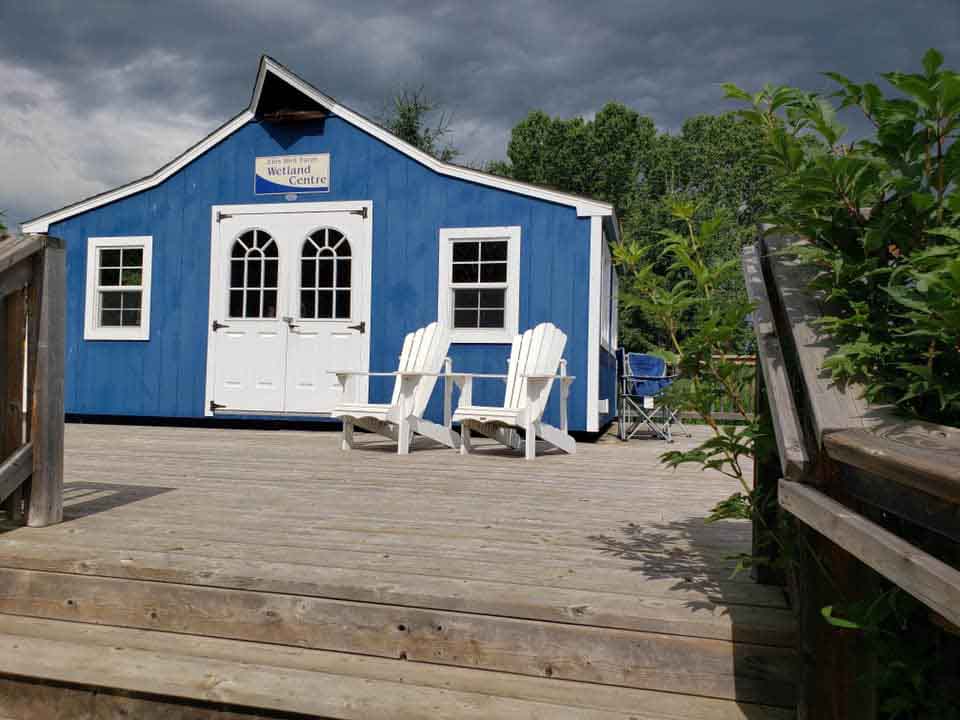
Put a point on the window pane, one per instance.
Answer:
(465, 273)
(270, 273)
(343, 303)
(132, 277)
(110, 257)
(465, 318)
(308, 273)
(254, 273)
(466, 251)
(269, 303)
(325, 304)
(492, 299)
(343, 249)
(236, 273)
(269, 248)
(236, 303)
(495, 250)
(343, 273)
(130, 318)
(493, 272)
(309, 249)
(243, 242)
(252, 306)
(110, 318)
(466, 298)
(111, 300)
(131, 299)
(133, 257)
(491, 318)
(308, 304)
(325, 272)
(110, 277)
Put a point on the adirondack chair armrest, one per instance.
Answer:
(363, 373)
(562, 378)
(461, 376)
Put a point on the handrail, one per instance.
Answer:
(794, 460)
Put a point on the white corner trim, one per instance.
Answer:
(444, 291)
(584, 206)
(593, 325)
(91, 325)
(42, 224)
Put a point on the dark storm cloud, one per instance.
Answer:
(97, 93)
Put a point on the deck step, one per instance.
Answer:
(561, 650)
(99, 671)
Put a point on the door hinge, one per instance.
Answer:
(222, 216)
(217, 325)
(361, 326)
(214, 406)
(362, 212)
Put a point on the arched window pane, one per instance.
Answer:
(253, 276)
(325, 276)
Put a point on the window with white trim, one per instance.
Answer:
(118, 288)
(607, 298)
(479, 289)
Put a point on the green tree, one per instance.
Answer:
(414, 117)
(601, 158)
(714, 164)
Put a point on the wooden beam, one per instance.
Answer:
(931, 581)
(16, 277)
(786, 421)
(46, 493)
(931, 467)
(15, 469)
(13, 251)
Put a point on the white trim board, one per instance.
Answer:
(593, 325)
(585, 207)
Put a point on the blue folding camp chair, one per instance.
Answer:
(643, 380)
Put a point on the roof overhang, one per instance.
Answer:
(585, 207)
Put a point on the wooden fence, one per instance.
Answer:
(32, 338)
(877, 496)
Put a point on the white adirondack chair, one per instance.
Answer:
(422, 360)
(535, 361)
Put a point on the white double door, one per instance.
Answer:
(289, 302)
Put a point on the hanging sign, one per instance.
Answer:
(282, 174)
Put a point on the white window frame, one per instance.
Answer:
(92, 330)
(511, 310)
(606, 297)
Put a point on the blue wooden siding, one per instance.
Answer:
(165, 376)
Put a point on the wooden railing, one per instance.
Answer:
(877, 495)
(32, 338)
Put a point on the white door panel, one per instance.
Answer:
(312, 318)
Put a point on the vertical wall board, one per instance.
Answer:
(165, 376)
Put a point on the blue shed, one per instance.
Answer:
(299, 238)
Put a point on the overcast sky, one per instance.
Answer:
(94, 94)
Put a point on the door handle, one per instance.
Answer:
(361, 326)
(289, 321)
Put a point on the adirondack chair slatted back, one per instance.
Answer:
(423, 351)
(537, 352)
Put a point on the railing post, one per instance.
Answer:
(46, 494)
(12, 312)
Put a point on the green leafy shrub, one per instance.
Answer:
(882, 215)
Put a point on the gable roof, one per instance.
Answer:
(271, 69)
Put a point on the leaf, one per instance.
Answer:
(932, 61)
(732, 92)
(827, 613)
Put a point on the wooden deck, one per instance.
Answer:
(243, 573)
